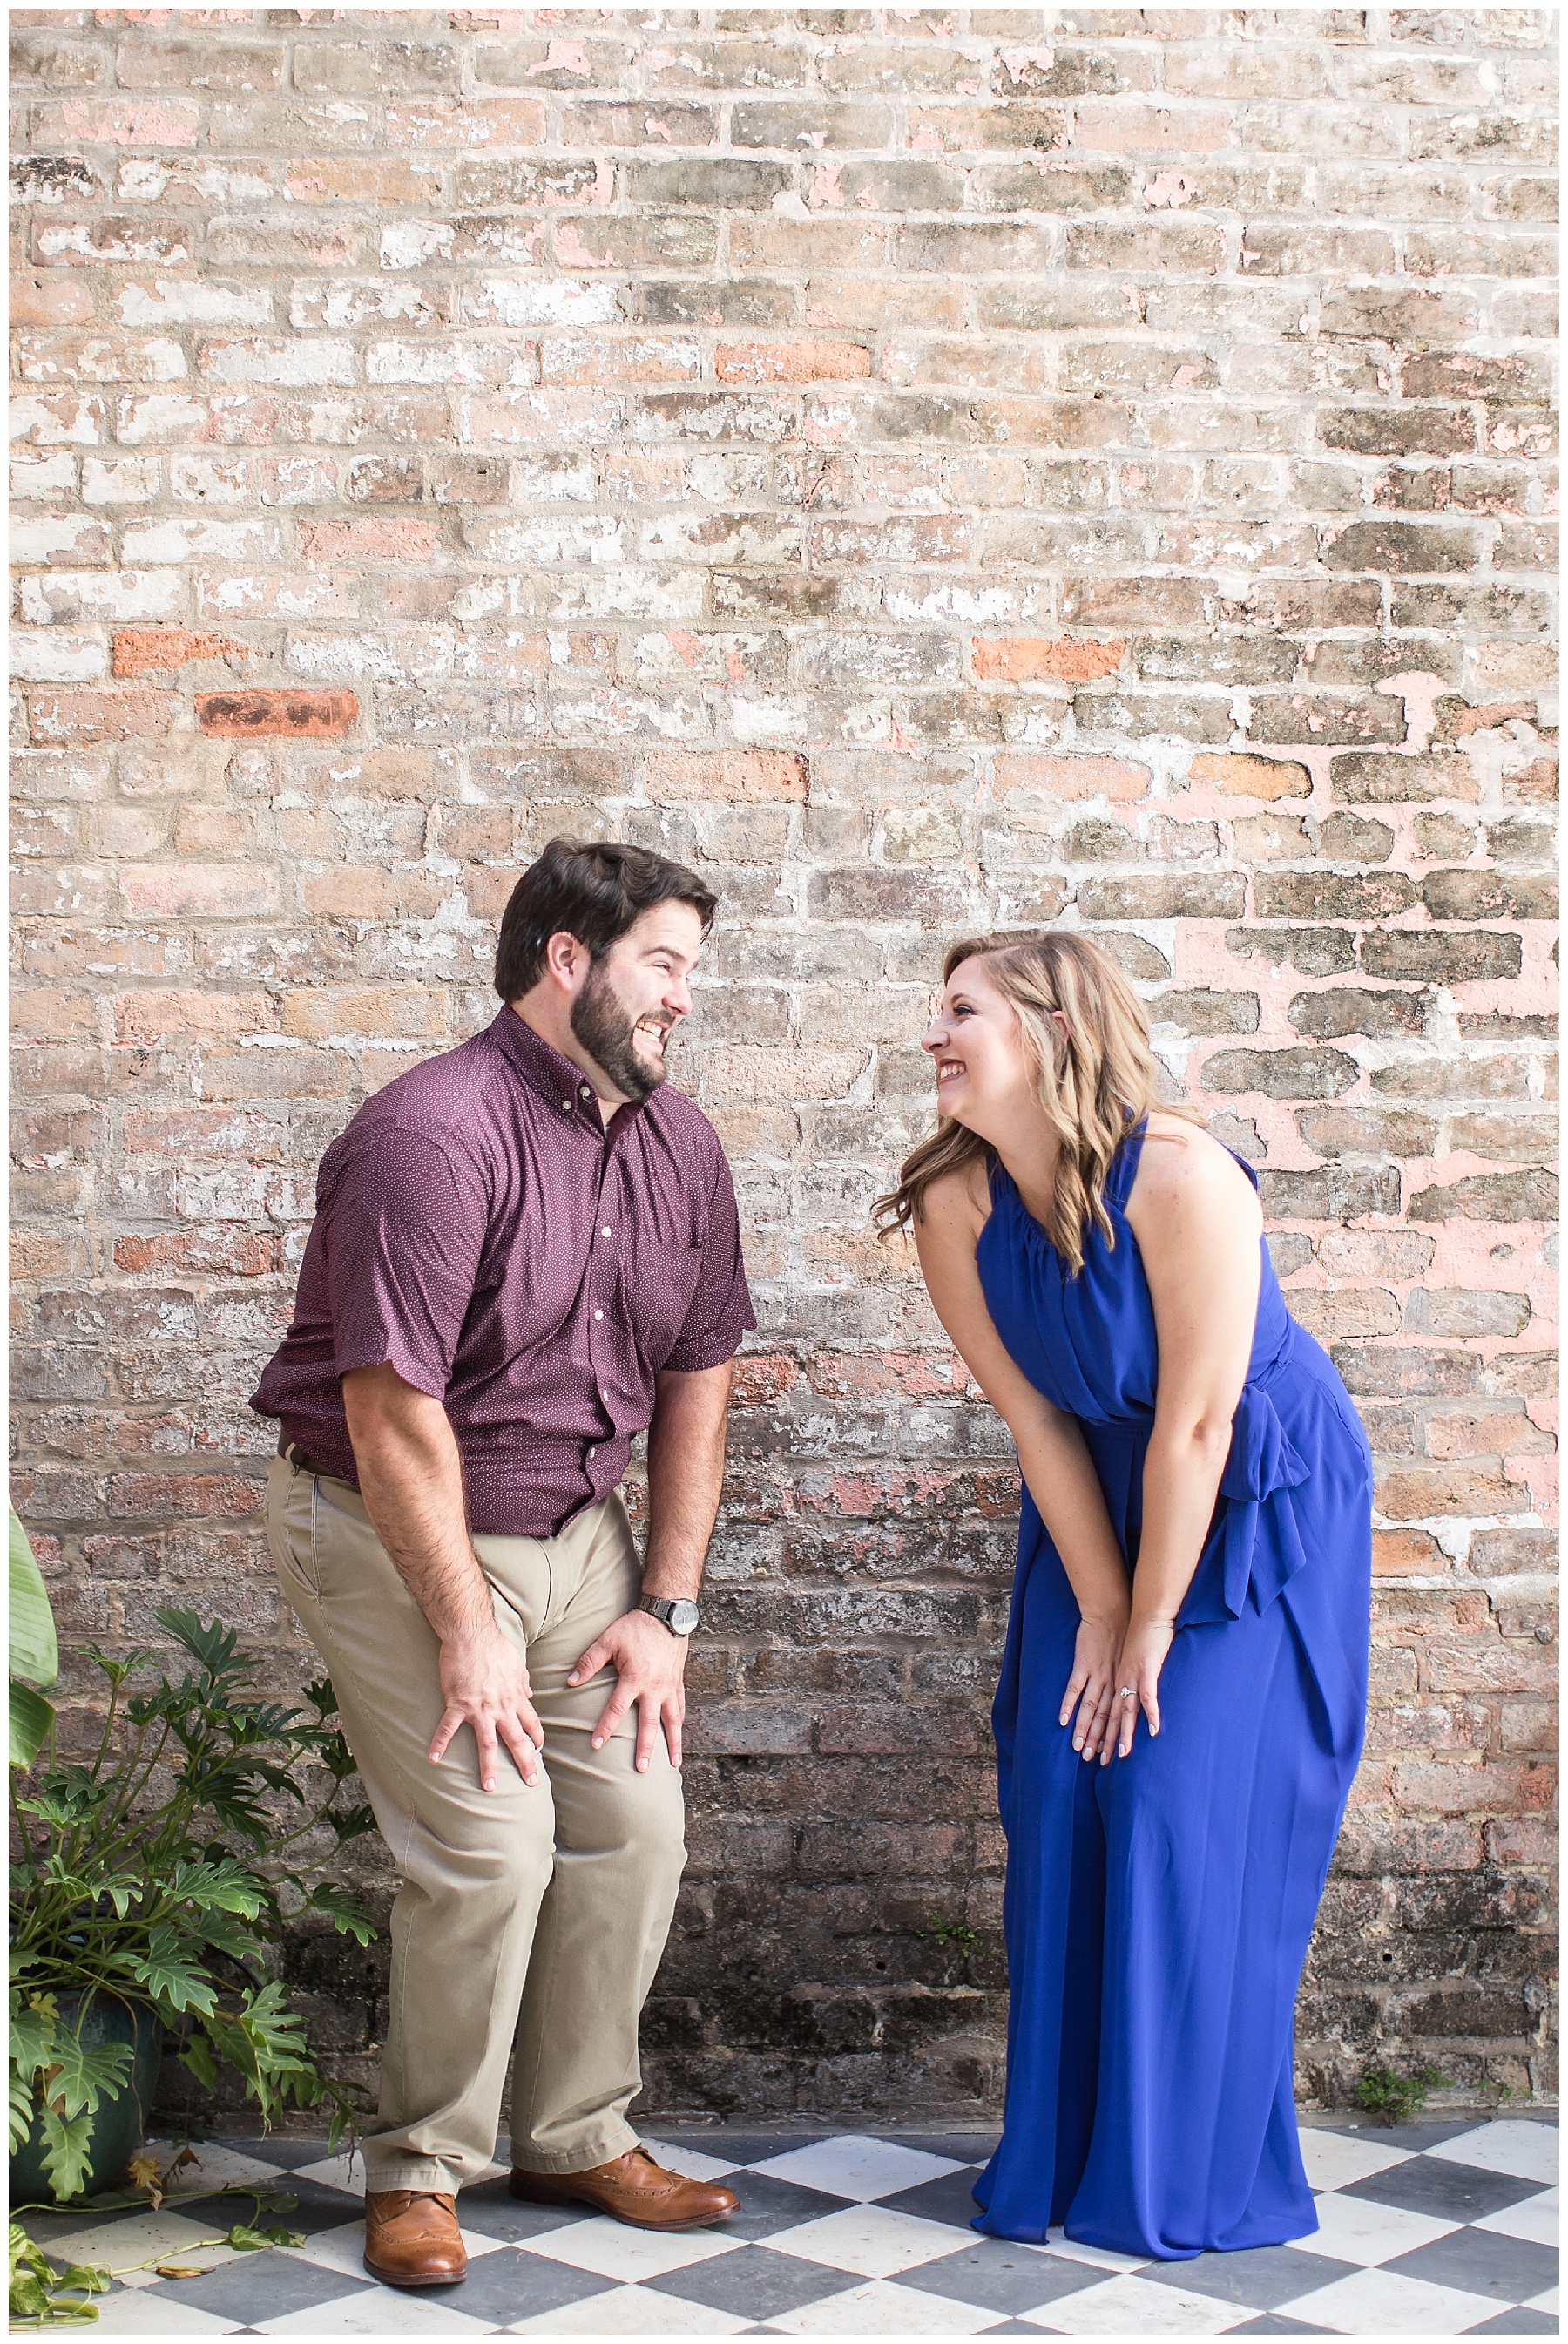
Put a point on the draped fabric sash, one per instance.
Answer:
(1254, 1544)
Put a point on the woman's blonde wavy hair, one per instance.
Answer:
(1096, 1077)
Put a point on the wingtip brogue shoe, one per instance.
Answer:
(631, 2188)
(412, 2238)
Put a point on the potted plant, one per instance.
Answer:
(150, 1880)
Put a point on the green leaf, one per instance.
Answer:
(21, 2109)
(31, 1718)
(82, 2077)
(348, 1917)
(67, 2151)
(34, 2017)
(221, 1884)
(34, 1653)
(213, 1646)
(197, 2054)
(247, 2241)
(171, 1979)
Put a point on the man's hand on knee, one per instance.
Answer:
(650, 1669)
(485, 1684)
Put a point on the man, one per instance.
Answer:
(526, 1252)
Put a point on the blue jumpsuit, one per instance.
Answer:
(1157, 1910)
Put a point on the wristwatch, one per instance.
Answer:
(678, 1613)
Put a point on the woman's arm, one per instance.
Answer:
(1198, 1222)
(1054, 1460)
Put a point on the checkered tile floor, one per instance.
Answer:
(1439, 2229)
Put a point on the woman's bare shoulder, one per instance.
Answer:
(1182, 1166)
(958, 1203)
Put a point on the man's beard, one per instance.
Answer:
(600, 1023)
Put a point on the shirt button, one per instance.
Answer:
(584, 1091)
(599, 1314)
(605, 1397)
(604, 1233)
(592, 1454)
(568, 1105)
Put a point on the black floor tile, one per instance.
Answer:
(1484, 2262)
(743, 2147)
(263, 2287)
(769, 2205)
(285, 2150)
(1263, 2277)
(1519, 2322)
(1002, 2276)
(1426, 2132)
(1275, 2323)
(1450, 2193)
(760, 2280)
(964, 2147)
(490, 2209)
(511, 2284)
(315, 2208)
(948, 2198)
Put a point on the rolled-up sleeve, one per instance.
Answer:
(720, 1311)
(404, 1232)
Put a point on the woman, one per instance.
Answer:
(1183, 1686)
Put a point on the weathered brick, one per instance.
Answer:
(1356, 1009)
(747, 777)
(294, 714)
(857, 458)
(1441, 955)
(1491, 1196)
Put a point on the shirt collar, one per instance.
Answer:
(565, 1088)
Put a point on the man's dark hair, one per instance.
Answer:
(594, 892)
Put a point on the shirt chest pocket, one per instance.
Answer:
(662, 1281)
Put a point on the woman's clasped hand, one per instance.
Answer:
(1115, 1677)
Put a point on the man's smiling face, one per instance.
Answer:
(636, 994)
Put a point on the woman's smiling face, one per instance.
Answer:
(974, 1043)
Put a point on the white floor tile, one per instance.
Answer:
(159, 2315)
(1529, 2151)
(676, 2158)
(633, 2311)
(873, 2241)
(878, 2309)
(1546, 2303)
(343, 2250)
(1333, 2159)
(1537, 2218)
(379, 2311)
(854, 2166)
(615, 2250)
(139, 2240)
(1131, 2306)
(1354, 2230)
(1384, 2303)
(337, 2172)
(217, 2167)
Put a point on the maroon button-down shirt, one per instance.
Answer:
(478, 1228)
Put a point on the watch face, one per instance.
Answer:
(683, 1616)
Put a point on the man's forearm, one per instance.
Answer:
(685, 1478)
(411, 1480)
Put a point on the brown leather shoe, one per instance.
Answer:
(412, 2238)
(631, 2188)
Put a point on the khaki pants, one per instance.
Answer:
(529, 1923)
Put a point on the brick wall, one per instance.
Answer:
(928, 470)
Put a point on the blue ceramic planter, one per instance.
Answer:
(116, 2129)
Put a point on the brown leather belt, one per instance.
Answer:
(295, 1459)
